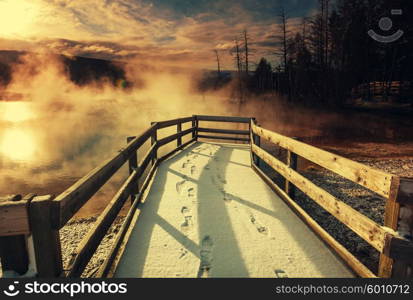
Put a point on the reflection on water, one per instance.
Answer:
(16, 112)
(44, 155)
(18, 144)
(17, 139)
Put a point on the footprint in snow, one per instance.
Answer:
(260, 228)
(205, 266)
(187, 224)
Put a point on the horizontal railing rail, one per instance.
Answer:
(223, 119)
(227, 134)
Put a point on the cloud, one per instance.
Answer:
(169, 32)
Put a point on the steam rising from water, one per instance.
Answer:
(64, 130)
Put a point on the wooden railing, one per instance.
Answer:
(396, 252)
(36, 220)
(42, 217)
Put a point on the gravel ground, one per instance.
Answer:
(73, 232)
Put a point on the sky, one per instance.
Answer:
(174, 32)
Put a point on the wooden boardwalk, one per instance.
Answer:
(208, 214)
(200, 209)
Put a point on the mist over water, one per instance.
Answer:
(61, 130)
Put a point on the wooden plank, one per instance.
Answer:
(175, 136)
(346, 256)
(195, 124)
(405, 194)
(399, 249)
(399, 216)
(72, 199)
(13, 249)
(11, 198)
(223, 119)
(14, 217)
(89, 244)
(224, 131)
(169, 123)
(143, 164)
(13, 254)
(154, 141)
(179, 130)
(133, 165)
(109, 264)
(375, 180)
(367, 229)
(212, 137)
(391, 217)
(46, 239)
(292, 160)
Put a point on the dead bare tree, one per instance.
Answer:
(218, 63)
(238, 61)
(283, 52)
(246, 53)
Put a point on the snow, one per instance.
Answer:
(208, 214)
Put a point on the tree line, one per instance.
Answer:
(331, 57)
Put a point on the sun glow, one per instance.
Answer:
(18, 144)
(17, 16)
(16, 112)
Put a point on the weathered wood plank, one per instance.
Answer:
(347, 257)
(399, 249)
(391, 217)
(226, 138)
(179, 130)
(14, 217)
(367, 229)
(399, 217)
(46, 239)
(11, 198)
(224, 131)
(169, 123)
(195, 124)
(133, 165)
(13, 249)
(405, 195)
(89, 244)
(375, 180)
(71, 200)
(223, 119)
(292, 160)
(149, 156)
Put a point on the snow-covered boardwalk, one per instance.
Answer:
(208, 214)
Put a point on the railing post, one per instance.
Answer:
(399, 217)
(13, 249)
(195, 124)
(257, 141)
(46, 239)
(133, 164)
(178, 130)
(254, 139)
(292, 160)
(154, 139)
